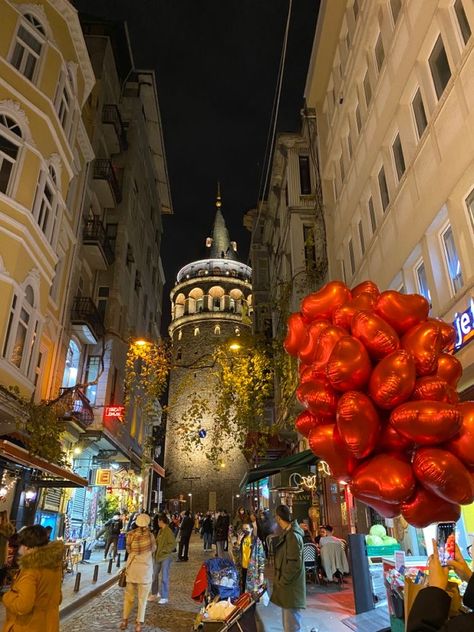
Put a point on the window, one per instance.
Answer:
(45, 208)
(216, 304)
(349, 145)
(71, 368)
(130, 260)
(462, 21)
(22, 332)
(309, 247)
(305, 179)
(196, 331)
(454, 265)
(361, 237)
(351, 256)
(384, 197)
(29, 41)
(355, 8)
(367, 89)
(341, 168)
(395, 7)
(64, 106)
(358, 118)
(470, 207)
(419, 113)
(423, 281)
(10, 132)
(92, 374)
(102, 299)
(439, 65)
(373, 220)
(379, 52)
(343, 270)
(111, 232)
(398, 157)
(217, 330)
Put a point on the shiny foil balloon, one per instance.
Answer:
(343, 315)
(326, 443)
(392, 441)
(462, 445)
(306, 421)
(393, 379)
(443, 474)
(327, 340)
(423, 341)
(385, 477)
(433, 388)
(318, 397)
(387, 510)
(378, 337)
(349, 365)
(358, 423)
(424, 508)
(402, 311)
(426, 423)
(297, 334)
(368, 287)
(307, 352)
(447, 331)
(321, 304)
(449, 368)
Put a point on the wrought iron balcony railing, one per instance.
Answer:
(77, 406)
(94, 233)
(84, 312)
(111, 116)
(104, 170)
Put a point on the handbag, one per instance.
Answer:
(122, 579)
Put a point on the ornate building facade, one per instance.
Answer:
(209, 304)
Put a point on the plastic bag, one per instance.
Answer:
(265, 598)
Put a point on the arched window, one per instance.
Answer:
(64, 100)
(46, 205)
(21, 340)
(10, 135)
(71, 368)
(29, 41)
(217, 330)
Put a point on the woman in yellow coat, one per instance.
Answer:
(32, 603)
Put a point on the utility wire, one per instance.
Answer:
(262, 187)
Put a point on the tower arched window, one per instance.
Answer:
(10, 144)
(28, 45)
(46, 205)
(196, 331)
(21, 341)
(217, 330)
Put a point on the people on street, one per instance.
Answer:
(113, 528)
(32, 603)
(249, 557)
(140, 545)
(289, 583)
(240, 518)
(430, 609)
(207, 530)
(221, 533)
(6, 531)
(165, 546)
(185, 531)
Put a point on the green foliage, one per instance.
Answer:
(109, 505)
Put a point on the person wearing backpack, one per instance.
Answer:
(113, 528)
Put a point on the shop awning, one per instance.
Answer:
(273, 467)
(52, 475)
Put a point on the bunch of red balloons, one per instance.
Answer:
(378, 384)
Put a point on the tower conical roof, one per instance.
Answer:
(219, 245)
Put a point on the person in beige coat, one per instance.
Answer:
(32, 603)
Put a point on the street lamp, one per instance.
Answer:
(190, 502)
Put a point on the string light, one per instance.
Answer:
(6, 485)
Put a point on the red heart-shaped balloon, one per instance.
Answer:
(393, 379)
(306, 421)
(326, 443)
(444, 475)
(321, 304)
(462, 445)
(402, 311)
(447, 331)
(387, 510)
(318, 397)
(449, 368)
(307, 351)
(385, 477)
(378, 337)
(297, 334)
(425, 422)
(358, 423)
(423, 341)
(432, 387)
(424, 508)
(325, 343)
(343, 315)
(368, 287)
(349, 365)
(392, 441)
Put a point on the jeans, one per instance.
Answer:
(292, 619)
(207, 537)
(142, 591)
(161, 578)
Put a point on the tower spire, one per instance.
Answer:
(218, 197)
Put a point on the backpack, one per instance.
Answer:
(115, 527)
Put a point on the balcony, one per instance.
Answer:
(77, 408)
(86, 321)
(106, 184)
(97, 248)
(113, 129)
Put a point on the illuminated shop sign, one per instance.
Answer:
(464, 326)
(114, 412)
(103, 477)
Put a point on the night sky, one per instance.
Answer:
(216, 64)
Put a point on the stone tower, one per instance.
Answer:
(210, 302)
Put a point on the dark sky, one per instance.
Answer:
(216, 64)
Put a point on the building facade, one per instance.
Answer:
(211, 302)
(391, 83)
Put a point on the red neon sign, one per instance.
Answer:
(114, 412)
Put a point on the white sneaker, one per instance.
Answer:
(153, 597)
(163, 601)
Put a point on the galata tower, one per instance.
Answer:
(210, 303)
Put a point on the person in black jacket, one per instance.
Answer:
(430, 609)
(207, 529)
(221, 533)
(185, 531)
